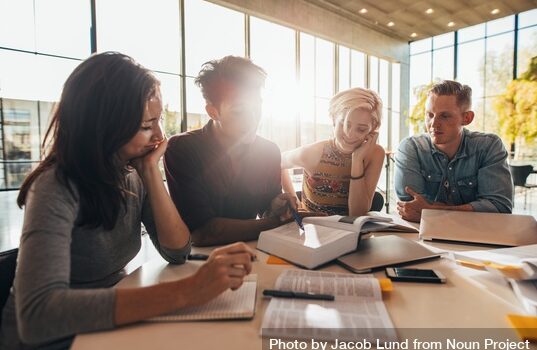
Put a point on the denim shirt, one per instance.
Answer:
(477, 175)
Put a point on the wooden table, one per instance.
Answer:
(470, 299)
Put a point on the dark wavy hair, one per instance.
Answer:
(239, 71)
(100, 110)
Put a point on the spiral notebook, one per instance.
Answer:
(238, 304)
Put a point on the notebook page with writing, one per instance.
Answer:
(238, 304)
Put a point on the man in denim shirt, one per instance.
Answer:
(451, 167)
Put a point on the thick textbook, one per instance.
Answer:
(323, 238)
(237, 304)
(357, 312)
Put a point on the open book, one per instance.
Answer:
(357, 312)
(238, 304)
(323, 239)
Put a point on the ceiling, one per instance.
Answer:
(410, 16)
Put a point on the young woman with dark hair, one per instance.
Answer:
(84, 205)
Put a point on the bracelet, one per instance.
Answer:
(358, 177)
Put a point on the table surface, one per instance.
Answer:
(470, 299)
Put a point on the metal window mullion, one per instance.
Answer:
(93, 29)
(247, 36)
(297, 82)
(182, 72)
(515, 49)
(4, 155)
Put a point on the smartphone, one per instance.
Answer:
(415, 275)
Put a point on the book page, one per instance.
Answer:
(228, 305)
(313, 236)
(337, 284)
(357, 312)
(351, 223)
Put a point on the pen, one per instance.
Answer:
(205, 257)
(296, 295)
(297, 218)
(198, 256)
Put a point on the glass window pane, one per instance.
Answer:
(384, 93)
(490, 116)
(443, 63)
(420, 46)
(443, 40)
(63, 35)
(344, 68)
(358, 69)
(527, 48)
(323, 123)
(471, 33)
(499, 63)
(478, 124)
(273, 48)
(195, 106)
(170, 88)
(307, 89)
(374, 73)
(500, 25)
(527, 18)
(420, 73)
(155, 44)
(324, 68)
(21, 132)
(203, 42)
(17, 29)
(395, 105)
(471, 66)
(396, 87)
(46, 109)
(30, 77)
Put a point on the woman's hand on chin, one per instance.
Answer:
(150, 160)
(361, 152)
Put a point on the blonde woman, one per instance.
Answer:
(340, 174)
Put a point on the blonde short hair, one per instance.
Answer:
(345, 102)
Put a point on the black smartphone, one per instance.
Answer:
(414, 275)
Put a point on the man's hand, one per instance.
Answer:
(411, 210)
(281, 206)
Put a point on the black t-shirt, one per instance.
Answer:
(202, 183)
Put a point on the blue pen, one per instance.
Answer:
(297, 218)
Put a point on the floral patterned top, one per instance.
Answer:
(326, 189)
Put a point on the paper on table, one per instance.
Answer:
(357, 312)
(526, 292)
(518, 262)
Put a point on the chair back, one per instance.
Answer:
(378, 202)
(520, 174)
(8, 262)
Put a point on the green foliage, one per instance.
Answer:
(172, 122)
(416, 119)
(517, 108)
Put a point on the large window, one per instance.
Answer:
(146, 45)
(273, 48)
(224, 36)
(39, 49)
